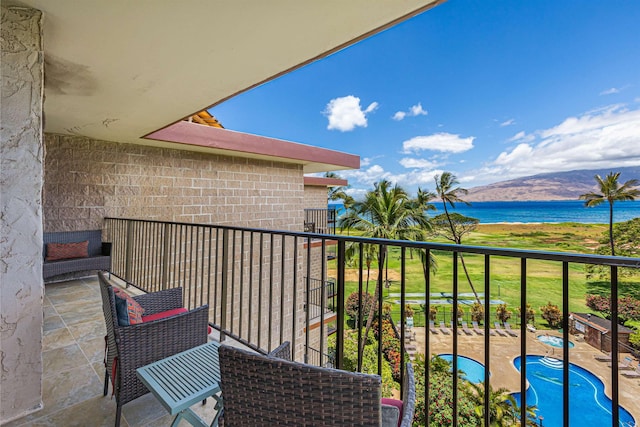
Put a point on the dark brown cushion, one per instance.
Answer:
(57, 251)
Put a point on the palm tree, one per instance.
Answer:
(503, 408)
(339, 193)
(388, 213)
(449, 193)
(611, 191)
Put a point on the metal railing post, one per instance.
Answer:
(225, 284)
(165, 256)
(128, 253)
(340, 305)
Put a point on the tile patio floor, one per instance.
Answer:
(73, 377)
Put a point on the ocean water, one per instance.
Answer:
(541, 211)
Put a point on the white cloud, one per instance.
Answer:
(345, 113)
(399, 115)
(371, 107)
(365, 177)
(444, 142)
(610, 91)
(409, 163)
(521, 137)
(361, 181)
(414, 110)
(609, 137)
(508, 123)
(417, 110)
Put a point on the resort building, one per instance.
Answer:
(596, 331)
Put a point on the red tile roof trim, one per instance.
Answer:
(224, 139)
(325, 182)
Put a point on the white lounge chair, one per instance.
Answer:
(625, 365)
(632, 374)
(432, 327)
(453, 329)
(510, 331)
(444, 329)
(466, 329)
(531, 328)
(477, 329)
(603, 357)
(499, 329)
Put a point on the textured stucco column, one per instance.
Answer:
(21, 174)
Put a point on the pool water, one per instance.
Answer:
(588, 405)
(473, 371)
(553, 341)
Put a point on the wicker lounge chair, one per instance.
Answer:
(477, 328)
(134, 346)
(499, 329)
(271, 390)
(465, 329)
(507, 328)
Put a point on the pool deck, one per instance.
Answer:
(505, 349)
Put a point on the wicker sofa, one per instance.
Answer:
(273, 390)
(99, 253)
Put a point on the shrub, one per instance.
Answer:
(369, 360)
(441, 396)
(502, 314)
(628, 307)
(552, 314)
(408, 311)
(351, 307)
(529, 316)
(390, 346)
(477, 312)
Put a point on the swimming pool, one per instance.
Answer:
(588, 404)
(474, 371)
(553, 341)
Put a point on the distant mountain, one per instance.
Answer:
(549, 186)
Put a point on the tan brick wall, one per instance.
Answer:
(86, 180)
(315, 197)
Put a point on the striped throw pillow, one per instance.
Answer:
(128, 310)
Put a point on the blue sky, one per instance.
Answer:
(486, 90)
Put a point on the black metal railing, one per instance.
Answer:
(321, 221)
(319, 294)
(257, 281)
(320, 359)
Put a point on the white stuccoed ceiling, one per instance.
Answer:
(118, 70)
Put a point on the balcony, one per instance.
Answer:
(320, 221)
(256, 282)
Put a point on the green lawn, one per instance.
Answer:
(544, 279)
